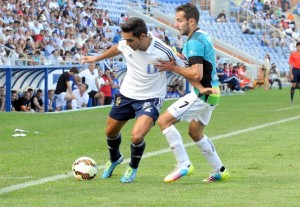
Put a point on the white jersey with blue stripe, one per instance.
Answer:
(143, 80)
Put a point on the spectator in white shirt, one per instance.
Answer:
(55, 58)
(78, 55)
(82, 97)
(37, 27)
(90, 76)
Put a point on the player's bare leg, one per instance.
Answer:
(140, 129)
(114, 139)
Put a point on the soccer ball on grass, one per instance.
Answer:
(84, 168)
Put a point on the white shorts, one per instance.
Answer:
(190, 107)
(60, 99)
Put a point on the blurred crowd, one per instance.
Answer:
(54, 32)
(45, 32)
(270, 12)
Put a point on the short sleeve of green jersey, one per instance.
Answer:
(195, 48)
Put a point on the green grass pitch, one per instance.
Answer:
(256, 135)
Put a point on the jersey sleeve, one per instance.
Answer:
(195, 48)
(195, 52)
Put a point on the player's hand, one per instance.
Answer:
(165, 65)
(209, 91)
(88, 59)
(291, 76)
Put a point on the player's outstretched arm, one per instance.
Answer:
(111, 52)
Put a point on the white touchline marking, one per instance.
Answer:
(11, 177)
(287, 108)
(149, 154)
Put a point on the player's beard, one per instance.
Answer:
(185, 29)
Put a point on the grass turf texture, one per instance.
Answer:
(263, 163)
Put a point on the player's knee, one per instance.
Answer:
(137, 138)
(160, 122)
(111, 133)
(195, 135)
(163, 122)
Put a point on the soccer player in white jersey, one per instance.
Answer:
(141, 94)
(195, 107)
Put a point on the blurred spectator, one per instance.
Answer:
(36, 101)
(226, 69)
(264, 40)
(82, 97)
(23, 103)
(181, 88)
(286, 3)
(246, 29)
(176, 93)
(115, 86)
(172, 92)
(117, 37)
(49, 47)
(39, 37)
(232, 81)
(29, 47)
(179, 43)
(76, 47)
(37, 58)
(274, 76)
(123, 18)
(267, 65)
(106, 88)
(282, 37)
(10, 45)
(78, 55)
(221, 17)
(31, 92)
(68, 42)
(63, 91)
(14, 100)
(2, 98)
(101, 83)
(90, 77)
(50, 100)
(55, 58)
(266, 6)
(68, 60)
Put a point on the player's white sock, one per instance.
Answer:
(176, 144)
(209, 152)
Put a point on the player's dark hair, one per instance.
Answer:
(190, 11)
(87, 86)
(135, 25)
(74, 70)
